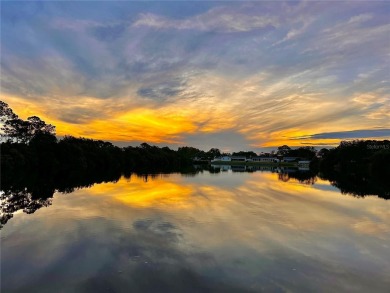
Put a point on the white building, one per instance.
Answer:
(290, 159)
(238, 159)
(265, 160)
(222, 159)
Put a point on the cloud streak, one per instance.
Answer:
(260, 73)
(361, 133)
(220, 19)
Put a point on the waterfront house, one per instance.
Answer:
(238, 159)
(290, 159)
(265, 159)
(222, 159)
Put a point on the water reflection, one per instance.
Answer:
(349, 182)
(358, 184)
(227, 231)
(30, 192)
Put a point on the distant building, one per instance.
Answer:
(265, 159)
(238, 159)
(223, 159)
(290, 159)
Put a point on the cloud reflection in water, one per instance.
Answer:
(175, 233)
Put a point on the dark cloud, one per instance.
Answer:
(78, 115)
(162, 90)
(362, 133)
(319, 144)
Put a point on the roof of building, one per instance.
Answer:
(263, 157)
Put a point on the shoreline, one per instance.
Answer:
(253, 163)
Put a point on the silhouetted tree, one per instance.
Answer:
(12, 127)
(359, 167)
(19, 130)
(214, 152)
(190, 152)
(323, 152)
(247, 154)
(302, 152)
(36, 126)
(283, 150)
(6, 113)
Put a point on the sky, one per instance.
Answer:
(229, 74)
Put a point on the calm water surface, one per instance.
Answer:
(230, 232)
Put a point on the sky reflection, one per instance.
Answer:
(175, 233)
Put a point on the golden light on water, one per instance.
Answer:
(156, 192)
(259, 202)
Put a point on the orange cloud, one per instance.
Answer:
(142, 124)
(260, 110)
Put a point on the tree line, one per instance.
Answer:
(360, 167)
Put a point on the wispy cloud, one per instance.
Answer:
(260, 73)
(221, 19)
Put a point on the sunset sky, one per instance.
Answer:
(234, 75)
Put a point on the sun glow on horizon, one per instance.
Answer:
(161, 126)
(263, 75)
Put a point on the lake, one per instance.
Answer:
(207, 232)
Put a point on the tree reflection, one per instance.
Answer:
(15, 200)
(358, 183)
(304, 177)
(30, 192)
(354, 181)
